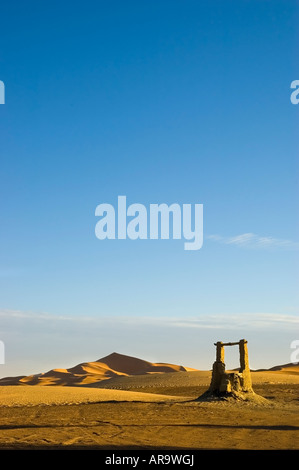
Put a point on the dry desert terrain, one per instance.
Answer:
(155, 408)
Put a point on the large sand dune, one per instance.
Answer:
(92, 373)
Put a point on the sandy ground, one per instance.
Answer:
(158, 411)
(16, 396)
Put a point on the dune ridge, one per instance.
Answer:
(115, 367)
(108, 367)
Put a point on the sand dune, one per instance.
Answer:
(286, 368)
(108, 367)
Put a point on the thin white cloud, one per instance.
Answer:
(37, 341)
(251, 240)
(240, 321)
(220, 321)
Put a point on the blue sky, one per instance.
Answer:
(164, 102)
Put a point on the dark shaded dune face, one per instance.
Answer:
(126, 364)
(96, 368)
(134, 366)
(30, 380)
(168, 368)
(12, 380)
(57, 373)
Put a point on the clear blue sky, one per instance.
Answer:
(171, 101)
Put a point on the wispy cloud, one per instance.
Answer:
(251, 240)
(220, 321)
(37, 341)
(228, 322)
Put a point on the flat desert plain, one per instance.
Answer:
(153, 410)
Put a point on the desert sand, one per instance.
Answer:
(149, 406)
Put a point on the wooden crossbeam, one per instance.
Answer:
(230, 344)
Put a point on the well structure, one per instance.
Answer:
(234, 383)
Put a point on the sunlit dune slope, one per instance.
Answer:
(283, 369)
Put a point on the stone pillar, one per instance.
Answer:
(218, 372)
(244, 366)
(244, 362)
(219, 352)
(218, 368)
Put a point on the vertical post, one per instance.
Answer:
(218, 368)
(244, 361)
(219, 352)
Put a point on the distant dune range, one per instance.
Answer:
(91, 373)
(120, 370)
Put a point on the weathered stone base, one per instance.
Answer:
(231, 396)
(229, 382)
